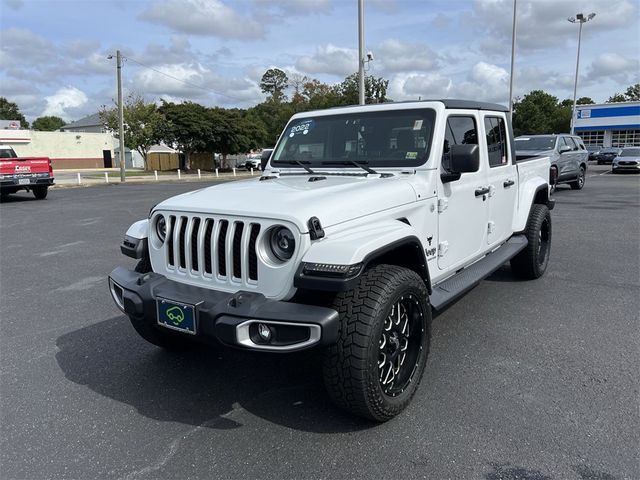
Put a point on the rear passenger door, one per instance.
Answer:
(502, 177)
(463, 213)
(567, 162)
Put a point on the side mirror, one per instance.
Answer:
(564, 148)
(464, 159)
(264, 159)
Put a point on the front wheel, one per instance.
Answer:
(532, 262)
(377, 363)
(579, 182)
(40, 192)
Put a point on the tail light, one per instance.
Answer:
(50, 169)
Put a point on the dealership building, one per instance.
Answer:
(609, 124)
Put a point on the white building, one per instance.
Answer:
(609, 124)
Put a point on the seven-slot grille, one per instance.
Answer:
(212, 247)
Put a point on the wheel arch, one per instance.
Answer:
(539, 196)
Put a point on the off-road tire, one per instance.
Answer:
(40, 192)
(168, 340)
(578, 184)
(351, 369)
(532, 262)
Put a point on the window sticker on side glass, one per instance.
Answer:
(301, 128)
(411, 155)
(417, 125)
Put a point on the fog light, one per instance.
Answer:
(264, 331)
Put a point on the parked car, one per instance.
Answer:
(33, 174)
(627, 161)
(606, 155)
(366, 219)
(253, 161)
(593, 150)
(567, 153)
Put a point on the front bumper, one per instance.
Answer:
(230, 318)
(626, 168)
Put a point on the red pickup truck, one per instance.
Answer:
(24, 173)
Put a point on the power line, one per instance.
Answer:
(184, 81)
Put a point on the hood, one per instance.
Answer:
(333, 200)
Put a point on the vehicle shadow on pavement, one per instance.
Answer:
(203, 387)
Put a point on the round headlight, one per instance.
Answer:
(161, 228)
(282, 243)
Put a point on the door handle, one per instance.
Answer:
(508, 183)
(482, 191)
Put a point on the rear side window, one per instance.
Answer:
(496, 141)
(569, 141)
(460, 130)
(7, 153)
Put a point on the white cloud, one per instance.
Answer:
(66, 98)
(14, 4)
(331, 60)
(203, 17)
(397, 56)
(614, 66)
(296, 7)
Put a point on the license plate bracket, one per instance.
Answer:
(176, 315)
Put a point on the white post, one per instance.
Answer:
(217, 172)
(199, 176)
(575, 83)
(179, 175)
(361, 52)
(106, 177)
(234, 171)
(513, 60)
(155, 172)
(79, 181)
(251, 170)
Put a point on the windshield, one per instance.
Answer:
(535, 143)
(611, 150)
(630, 152)
(382, 138)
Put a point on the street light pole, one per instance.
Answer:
(579, 18)
(361, 52)
(513, 59)
(120, 116)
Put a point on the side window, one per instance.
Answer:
(571, 142)
(460, 130)
(496, 141)
(564, 142)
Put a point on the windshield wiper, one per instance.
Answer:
(361, 165)
(298, 162)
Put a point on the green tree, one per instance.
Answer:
(375, 89)
(234, 131)
(48, 123)
(142, 122)
(10, 111)
(319, 95)
(632, 94)
(535, 113)
(274, 82)
(187, 126)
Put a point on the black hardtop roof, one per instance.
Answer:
(448, 103)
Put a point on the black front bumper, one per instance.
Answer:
(227, 317)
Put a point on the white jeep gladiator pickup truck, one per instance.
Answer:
(365, 219)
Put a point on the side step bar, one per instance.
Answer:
(463, 281)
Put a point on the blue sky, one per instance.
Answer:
(53, 54)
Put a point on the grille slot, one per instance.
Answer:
(208, 230)
(253, 256)
(195, 227)
(222, 254)
(169, 240)
(182, 229)
(237, 250)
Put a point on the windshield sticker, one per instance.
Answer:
(417, 125)
(302, 128)
(411, 155)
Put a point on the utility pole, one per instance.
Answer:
(513, 59)
(361, 52)
(120, 115)
(579, 18)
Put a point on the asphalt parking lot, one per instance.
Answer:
(526, 380)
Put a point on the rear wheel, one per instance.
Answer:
(579, 182)
(40, 192)
(532, 262)
(375, 367)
